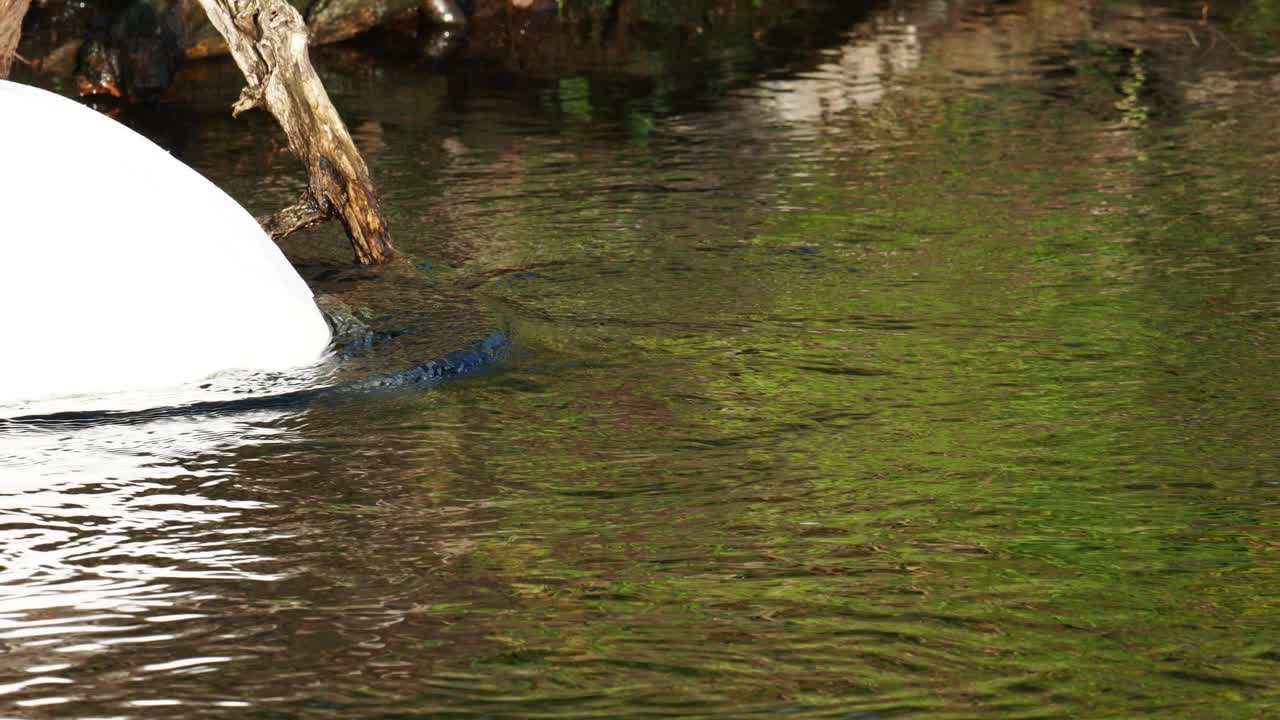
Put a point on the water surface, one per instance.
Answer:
(919, 361)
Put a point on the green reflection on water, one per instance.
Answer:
(967, 428)
(956, 399)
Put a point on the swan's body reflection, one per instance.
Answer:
(98, 522)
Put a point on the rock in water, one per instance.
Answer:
(125, 269)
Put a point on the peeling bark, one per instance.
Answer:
(11, 14)
(304, 214)
(268, 40)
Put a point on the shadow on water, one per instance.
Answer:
(477, 358)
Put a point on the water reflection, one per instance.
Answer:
(105, 527)
(909, 377)
(855, 75)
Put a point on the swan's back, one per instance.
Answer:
(123, 268)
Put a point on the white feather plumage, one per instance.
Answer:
(125, 269)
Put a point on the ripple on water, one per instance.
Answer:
(893, 366)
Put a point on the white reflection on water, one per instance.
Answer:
(853, 76)
(99, 519)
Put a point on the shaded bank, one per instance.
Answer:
(130, 48)
(545, 40)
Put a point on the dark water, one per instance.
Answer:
(910, 362)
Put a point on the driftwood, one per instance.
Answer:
(11, 14)
(268, 40)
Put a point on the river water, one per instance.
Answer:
(908, 361)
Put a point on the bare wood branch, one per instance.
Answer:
(11, 14)
(293, 218)
(268, 40)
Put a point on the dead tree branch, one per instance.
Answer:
(268, 40)
(11, 14)
(303, 214)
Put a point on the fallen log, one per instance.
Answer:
(11, 14)
(268, 40)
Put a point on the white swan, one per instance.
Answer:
(122, 269)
